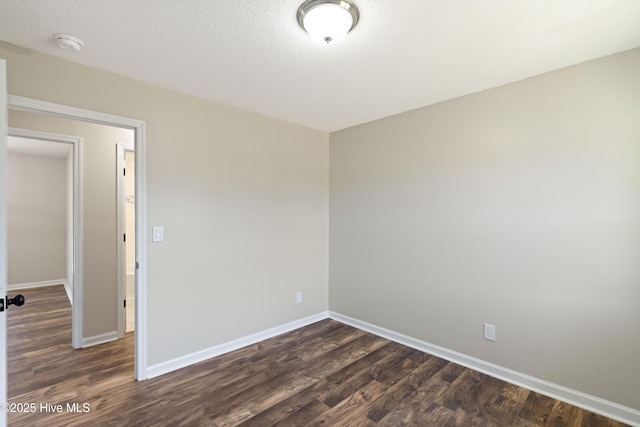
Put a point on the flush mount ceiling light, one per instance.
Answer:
(328, 21)
(66, 41)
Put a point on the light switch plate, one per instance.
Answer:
(158, 234)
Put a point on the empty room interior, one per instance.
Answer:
(457, 179)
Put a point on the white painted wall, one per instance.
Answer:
(37, 218)
(517, 206)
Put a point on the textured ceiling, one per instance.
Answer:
(404, 54)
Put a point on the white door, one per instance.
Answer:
(3, 239)
(125, 206)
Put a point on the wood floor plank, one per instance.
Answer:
(484, 395)
(461, 389)
(284, 409)
(340, 386)
(401, 366)
(399, 392)
(423, 400)
(564, 414)
(352, 411)
(373, 359)
(418, 415)
(503, 410)
(301, 417)
(537, 409)
(325, 374)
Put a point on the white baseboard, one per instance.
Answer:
(69, 292)
(592, 403)
(99, 339)
(37, 284)
(199, 356)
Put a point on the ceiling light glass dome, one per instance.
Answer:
(328, 21)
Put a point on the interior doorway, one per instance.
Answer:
(43, 209)
(97, 266)
(16, 103)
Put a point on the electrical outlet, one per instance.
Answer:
(489, 332)
(298, 297)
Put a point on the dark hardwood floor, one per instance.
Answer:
(325, 374)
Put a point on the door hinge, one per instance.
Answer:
(125, 237)
(124, 172)
(125, 303)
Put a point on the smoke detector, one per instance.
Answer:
(66, 41)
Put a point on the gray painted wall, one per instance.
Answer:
(517, 206)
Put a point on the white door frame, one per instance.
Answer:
(121, 231)
(75, 281)
(36, 106)
(3, 237)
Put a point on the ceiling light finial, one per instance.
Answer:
(66, 41)
(328, 21)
